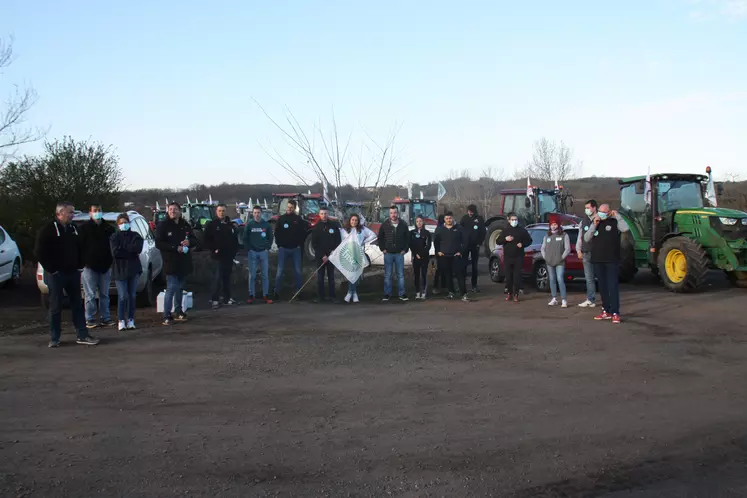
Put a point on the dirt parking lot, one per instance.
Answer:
(439, 398)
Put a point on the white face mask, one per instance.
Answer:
(513, 223)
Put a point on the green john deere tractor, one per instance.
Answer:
(675, 235)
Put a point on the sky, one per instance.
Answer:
(176, 86)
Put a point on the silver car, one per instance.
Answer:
(150, 259)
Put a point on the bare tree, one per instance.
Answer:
(732, 177)
(489, 182)
(551, 161)
(13, 118)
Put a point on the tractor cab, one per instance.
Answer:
(307, 205)
(197, 214)
(159, 215)
(409, 209)
(677, 234)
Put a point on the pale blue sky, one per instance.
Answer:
(626, 84)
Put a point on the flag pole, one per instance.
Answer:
(307, 282)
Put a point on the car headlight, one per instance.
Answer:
(744, 221)
(728, 221)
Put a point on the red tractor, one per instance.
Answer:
(307, 206)
(531, 209)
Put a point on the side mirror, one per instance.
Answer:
(527, 202)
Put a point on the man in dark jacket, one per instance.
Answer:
(438, 279)
(604, 237)
(258, 241)
(394, 242)
(290, 235)
(420, 248)
(473, 226)
(325, 237)
(514, 240)
(175, 239)
(222, 241)
(58, 250)
(450, 242)
(97, 258)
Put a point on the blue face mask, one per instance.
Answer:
(602, 216)
(513, 223)
(98, 215)
(587, 211)
(185, 249)
(124, 227)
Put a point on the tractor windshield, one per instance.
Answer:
(201, 213)
(424, 209)
(547, 204)
(159, 216)
(679, 194)
(311, 206)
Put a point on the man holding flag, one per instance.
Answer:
(325, 237)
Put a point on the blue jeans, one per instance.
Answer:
(173, 297)
(260, 258)
(94, 281)
(609, 286)
(591, 285)
(69, 282)
(398, 261)
(126, 290)
(284, 254)
(353, 287)
(556, 275)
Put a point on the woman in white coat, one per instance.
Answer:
(363, 236)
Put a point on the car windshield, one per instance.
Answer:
(424, 209)
(679, 194)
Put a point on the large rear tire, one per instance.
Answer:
(493, 231)
(683, 265)
(308, 249)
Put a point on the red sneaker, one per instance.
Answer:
(250, 300)
(603, 316)
(268, 300)
(508, 297)
(516, 298)
(615, 318)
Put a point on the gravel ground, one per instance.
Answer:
(432, 398)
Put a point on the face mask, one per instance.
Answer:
(98, 215)
(124, 227)
(185, 249)
(513, 223)
(587, 211)
(602, 216)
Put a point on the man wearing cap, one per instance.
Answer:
(473, 226)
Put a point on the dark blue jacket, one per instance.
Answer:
(126, 248)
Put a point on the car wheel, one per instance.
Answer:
(495, 270)
(15, 275)
(541, 278)
(146, 296)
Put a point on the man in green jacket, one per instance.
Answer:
(258, 240)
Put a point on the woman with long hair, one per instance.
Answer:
(556, 246)
(354, 228)
(126, 246)
(420, 248)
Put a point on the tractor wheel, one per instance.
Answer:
(737, 278)
(683, 265)
(308, 249)
(628, 269)
(493, 231)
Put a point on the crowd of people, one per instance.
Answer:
(95, 252)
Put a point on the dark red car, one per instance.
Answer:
(534, 265)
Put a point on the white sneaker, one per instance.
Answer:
(355, 298)
(121, 325)
(564, 304)
(348, 297)
(417, 295)
(553, 302)
(130, 324)
(587, 304)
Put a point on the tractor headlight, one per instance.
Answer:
(728, 221)
(744, 221)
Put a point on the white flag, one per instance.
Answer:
(441, 191)
(349, 258)
(530, 191)
(409, 190)
(647, 188)
(711, 192)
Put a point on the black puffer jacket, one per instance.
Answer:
(221, 236)
(394, 240)
(94, 239)
(58, 247)
(169, 235)
(420, 243)
(126, 247)
(325, 237)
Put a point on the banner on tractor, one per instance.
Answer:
(349, 258)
